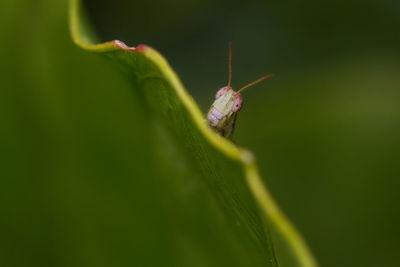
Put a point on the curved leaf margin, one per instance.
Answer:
(83, 37)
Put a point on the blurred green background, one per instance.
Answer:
(325, 130)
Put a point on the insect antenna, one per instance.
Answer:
(255, 82)
(230, 65)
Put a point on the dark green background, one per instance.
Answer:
(325, 130)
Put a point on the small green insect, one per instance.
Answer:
(223, 112)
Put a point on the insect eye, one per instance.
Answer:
(220, 92)
(238, 104)
(236, 108)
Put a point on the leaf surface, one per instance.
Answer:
(225, 213)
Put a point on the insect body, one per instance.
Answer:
(223, 112)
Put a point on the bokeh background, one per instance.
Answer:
(325, 129)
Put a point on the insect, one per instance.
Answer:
(223, 112)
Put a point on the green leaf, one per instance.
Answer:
(219, 209)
